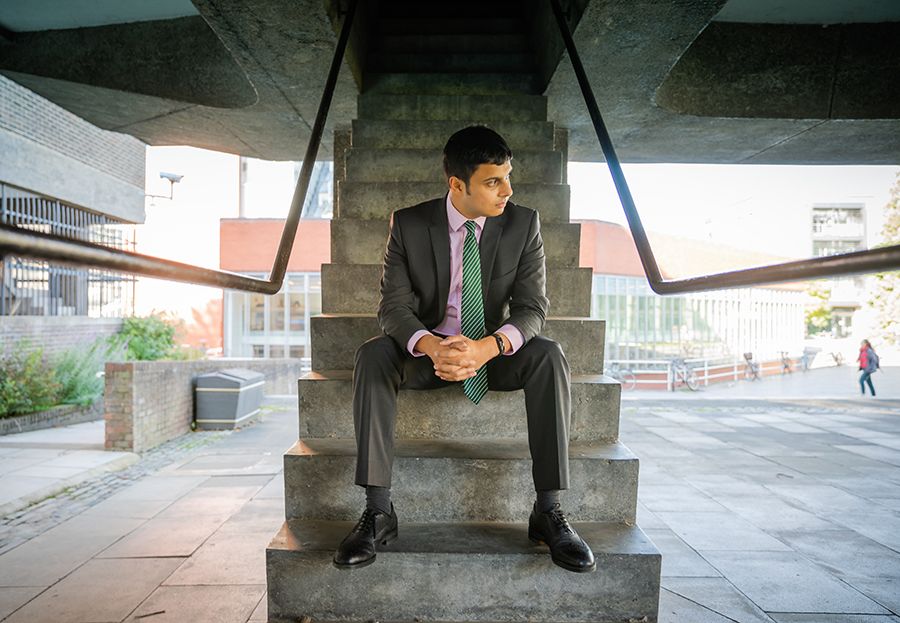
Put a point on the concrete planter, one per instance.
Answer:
(60, 415)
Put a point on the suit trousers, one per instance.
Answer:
(540, 368)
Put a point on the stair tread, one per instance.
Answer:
(481, 449)
(484, 538)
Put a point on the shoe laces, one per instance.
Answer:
(366, 523)
(559, 518)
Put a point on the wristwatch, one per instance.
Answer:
(500, 345)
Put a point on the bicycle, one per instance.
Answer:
(786, 363)
(624, 376)
(838, 358)
(684, 374)
(751, 372)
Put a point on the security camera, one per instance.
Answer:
(172, 177)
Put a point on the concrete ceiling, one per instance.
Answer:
(757, 81)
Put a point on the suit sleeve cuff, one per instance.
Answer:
(515, 337)
(411, 344)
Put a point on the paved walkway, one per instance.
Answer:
(770, 510)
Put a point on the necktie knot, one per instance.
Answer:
(470, 227)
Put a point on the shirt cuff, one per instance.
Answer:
(515, 337)
(411, 344)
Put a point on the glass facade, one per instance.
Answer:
(641, 324)
(275, 326)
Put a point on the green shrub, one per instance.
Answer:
(148, 339)
(27, 381)
(78, 372)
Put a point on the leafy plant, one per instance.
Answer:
(886, 296)
(78, 372)
(148, 339)
(27, 381)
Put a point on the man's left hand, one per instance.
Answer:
(476, 353)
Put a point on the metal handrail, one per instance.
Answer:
(873, 260)
(37, 245)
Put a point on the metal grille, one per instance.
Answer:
(36, 288)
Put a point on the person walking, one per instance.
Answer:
(868, 363)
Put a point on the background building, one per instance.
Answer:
(60, 174)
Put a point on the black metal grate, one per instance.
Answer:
(31, 287)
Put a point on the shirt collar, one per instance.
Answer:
(457, 220)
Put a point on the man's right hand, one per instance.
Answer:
(451, 363)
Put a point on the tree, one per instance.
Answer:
(886, 295)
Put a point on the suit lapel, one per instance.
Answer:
(490, 242)
(440, 247)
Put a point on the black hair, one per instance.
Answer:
(473, 146)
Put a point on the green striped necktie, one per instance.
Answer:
(472, 312)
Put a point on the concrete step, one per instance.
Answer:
(377, 200)
(418, 134)
(425, 25)
(451, 60)
(481, 572)
(468, 44)
(325, 408)
(335, 338)
(451, 83)
(362, 242)
(354, 289)
(520, 107)
(426, 165)
(459, 480)
(415, 8)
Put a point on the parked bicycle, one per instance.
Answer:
(752, 368)
(838, 359)
(682, 373)
(786, 363)
(625, 376)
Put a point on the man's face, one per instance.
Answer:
(487, 191)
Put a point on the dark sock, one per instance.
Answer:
(378, 498)
(547, 500)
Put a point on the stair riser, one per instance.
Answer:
(420, 26)
(468, 44)
(455, 107)
(451, 60)
(406, 134)
(455, 489)
(377, 200)
(325, 408)
(335, 340)
(363, 242)
(451, 83)
(354, 289)
(395, 165)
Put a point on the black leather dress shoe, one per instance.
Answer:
(567, 549)
(358, 548)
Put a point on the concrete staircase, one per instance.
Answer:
(463, 552)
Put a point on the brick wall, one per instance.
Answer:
(35, 118)
(55, 333)
(150, 402)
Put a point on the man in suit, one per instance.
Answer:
(463, 300)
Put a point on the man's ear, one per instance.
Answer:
(457, 184)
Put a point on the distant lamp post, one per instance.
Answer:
(173, 179)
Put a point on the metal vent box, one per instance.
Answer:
(228, 398)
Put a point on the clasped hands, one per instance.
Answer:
(457, 357)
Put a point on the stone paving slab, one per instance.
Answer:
(219, 604)
(719, 595)
(100, 590)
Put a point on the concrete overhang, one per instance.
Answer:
(713, 81)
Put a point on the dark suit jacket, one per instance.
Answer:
(415, 283)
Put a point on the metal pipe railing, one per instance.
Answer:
(37, 245)
(873, 260)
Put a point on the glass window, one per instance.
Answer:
(276, 313)
(257, 312)
(276, 351)
(259, 350)
(298, 352)
(298, 311)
